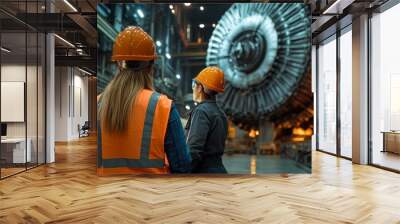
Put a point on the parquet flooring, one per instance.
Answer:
(70, 192)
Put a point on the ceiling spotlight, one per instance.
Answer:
(213, 25)
(171, 7)
(201, 26)
(5, 50)
(158, 43)
(178, 76)
(140, 13)
(201, 8)
(187, 107)
(187, 4)
(195, 103)
(167, 55)
(173, 11)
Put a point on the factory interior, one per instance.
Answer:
(310, 96)
(262, 137)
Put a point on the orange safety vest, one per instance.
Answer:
(139, 149)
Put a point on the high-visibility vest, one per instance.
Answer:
(140, 148)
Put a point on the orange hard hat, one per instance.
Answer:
(133, 44)
(212, 78)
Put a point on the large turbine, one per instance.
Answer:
(264, 50)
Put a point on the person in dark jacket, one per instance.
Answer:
(207, 126)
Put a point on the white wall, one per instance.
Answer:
(17, 72)
(71, 94)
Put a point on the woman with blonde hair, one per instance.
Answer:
(139, 129)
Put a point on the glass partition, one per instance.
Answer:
(385, 89)
(14, 153)
(22, 88)
(346, 93)
(327, 95)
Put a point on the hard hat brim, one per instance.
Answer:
(133, 58)
(216, 89)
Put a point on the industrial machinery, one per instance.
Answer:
(264, 51)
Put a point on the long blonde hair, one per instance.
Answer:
(118, 97)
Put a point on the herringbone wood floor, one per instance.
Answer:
(70, 192)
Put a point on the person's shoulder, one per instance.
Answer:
(160, 96)
(202, 110)
(203, 107)
(163, 100)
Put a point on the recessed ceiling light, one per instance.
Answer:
(65, 41)
(187, 4)
(201, 8)
(201, 26)
(171, 6)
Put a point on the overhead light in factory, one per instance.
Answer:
(195, 103)
(167, 55)
(213, 25)
(201, 8)
(64, 40)
(187, 107)
(187, 4)
(178, 76)
(5, 49)
(158, 43)
(201, 26)
(171, 6)
(173, 11)
(70, 5)
(140, 13)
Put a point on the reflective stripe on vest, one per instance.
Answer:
(124, 154)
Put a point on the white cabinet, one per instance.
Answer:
(18, 149)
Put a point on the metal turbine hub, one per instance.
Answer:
(247, 51)
(264, 51)
(246, 54)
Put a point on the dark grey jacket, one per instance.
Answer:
(207, 130)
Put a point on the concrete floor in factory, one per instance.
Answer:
(259, 164)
